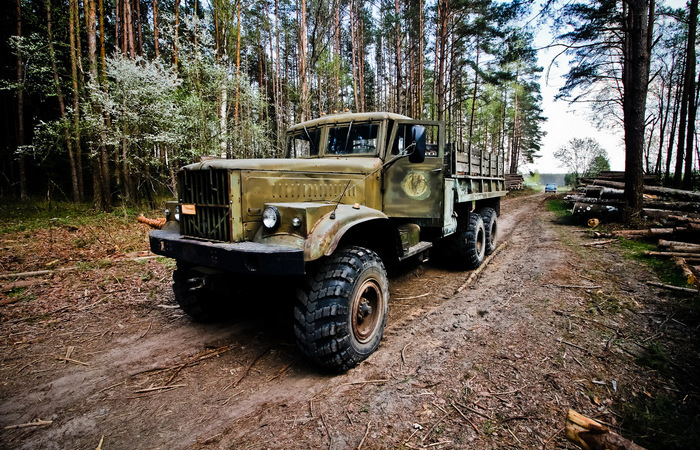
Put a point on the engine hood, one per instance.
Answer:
(356, 165)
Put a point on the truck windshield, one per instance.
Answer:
(304, 143)
(353, 139)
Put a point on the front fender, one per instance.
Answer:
(327, 232)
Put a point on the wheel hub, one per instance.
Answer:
(366, 314)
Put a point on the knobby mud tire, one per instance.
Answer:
(488, 215)
(341, 309)
(468, 247)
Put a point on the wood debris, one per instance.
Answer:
(153, 223)
(35, 423)
(591, 435)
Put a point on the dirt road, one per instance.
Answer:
(495, 364)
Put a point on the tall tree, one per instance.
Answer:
(20, 110)
(605, 35)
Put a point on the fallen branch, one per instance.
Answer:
(71, 360)
(570, 286)
(672, 288)
(411, 298)
(604, 242)
(483, 265)
(367, 382)
(159, 388)
(359, 446)
(247, 369)
(465, 418)
(591, 435)
(36, 273)
(36, 423)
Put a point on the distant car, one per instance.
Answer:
(550, 187)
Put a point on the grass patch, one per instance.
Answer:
(559, 207)
(524, 192)
(662, 421)
(32, 215)
(654, 357)
(664, 269)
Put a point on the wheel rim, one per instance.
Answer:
(480, 241)
(366, 310)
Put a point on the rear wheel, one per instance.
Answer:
(488, 215)
(341, 308)
(467, 247)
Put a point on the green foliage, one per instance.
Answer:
(583, 156)
(666, 272)
(662, 421)
(654, 357)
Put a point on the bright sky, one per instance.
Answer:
(565, 121)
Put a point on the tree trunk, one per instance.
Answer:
(62, 107)
(637, 46)
(139, 37)
(303, 78)
(20, 111)
(441, 46)
(690, 82)
(73, 32)
(177, 28)
(155, 27)
(399, 79)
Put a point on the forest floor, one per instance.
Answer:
(101, 355)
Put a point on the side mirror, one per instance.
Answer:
(418, 138)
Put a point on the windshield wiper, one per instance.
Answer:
(311, 141)
(345, 149)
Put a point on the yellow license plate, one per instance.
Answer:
(188, 209)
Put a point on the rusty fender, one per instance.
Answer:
(327, 232)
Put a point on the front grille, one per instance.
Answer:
(208, 191)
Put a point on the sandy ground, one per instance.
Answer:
(105, 356)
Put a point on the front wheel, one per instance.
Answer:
(341, 308)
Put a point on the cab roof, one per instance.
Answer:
(347, 117)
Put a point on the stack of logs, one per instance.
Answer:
(514, 181)
(676, 213)
(603, 199)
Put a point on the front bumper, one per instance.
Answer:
(239, 257)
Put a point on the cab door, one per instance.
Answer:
(414, 190)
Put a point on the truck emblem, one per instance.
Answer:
(416, 185)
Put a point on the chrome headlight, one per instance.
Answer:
(271, 217)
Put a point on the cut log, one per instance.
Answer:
(675, 193)
(657, 214)
(651, 232)
(591, 435)
(688, 274)
(595, 210)
(673, 206)
(684, 219)
(676, 246)
(671, 254)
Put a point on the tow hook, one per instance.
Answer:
(196, 284)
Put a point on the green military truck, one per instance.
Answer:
(358, 192)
